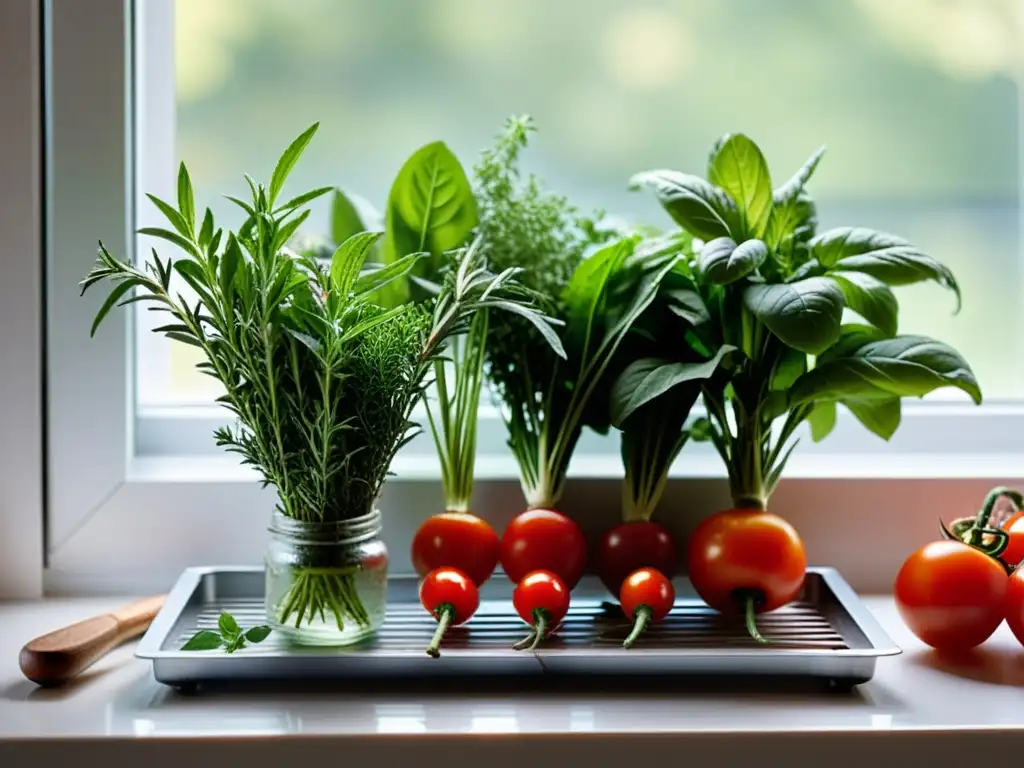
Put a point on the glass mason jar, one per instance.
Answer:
(326, 583)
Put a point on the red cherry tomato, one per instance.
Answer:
(544, 540)
(1014, 609)
(459, 540)
(541, 599)
(748, 560)
(629, 546)
(451, 597)
(1014, 551)
(951, 595)
(646, 595)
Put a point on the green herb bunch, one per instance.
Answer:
(597, 294)
(322, 379)
(768, 304)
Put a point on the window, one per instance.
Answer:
(923, 140)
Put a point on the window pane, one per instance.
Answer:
(922, 133)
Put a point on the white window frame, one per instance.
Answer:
(133, 501)
(21, 302)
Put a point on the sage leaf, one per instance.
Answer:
(203, 641)
(904, 366)
(647, 378)
(348, 260)
(699, 207)
(228, 626)
(806, 314)
(882, 417)
(287, 161)
(738, 167)
(345, 219)
(723, 262)
(822, 419)
(886, 257)
(870, 298)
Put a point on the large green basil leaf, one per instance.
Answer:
(792, 209)
(791, 366)
(702, 209)
(822, 419)
(587, 295)
(852, 336)
(430, 208)
(649, 377)
(904, 366)
(881, 417)
(889, 258)
(723, 262)
(870, 298)
(687, 304)
(738, 167)
(345, 219)
(806, 314)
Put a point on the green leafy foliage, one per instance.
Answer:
(545, 398)
(777, 301)
(320, 377)
(430, 209)
(228, 636)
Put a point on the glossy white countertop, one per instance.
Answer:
(916, 701)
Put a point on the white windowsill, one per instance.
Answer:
(118, 715)
(420, 467)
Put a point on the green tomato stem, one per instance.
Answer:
(974, 533)
(540, 619)
(750, 610)
(641, 620)
(445, 615)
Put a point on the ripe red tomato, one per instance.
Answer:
(629, 546)
(951, 595)
(541, 599)
(1014, 552)
(646, 595)
(544, 540)
(741, 555)
(451, 597)
(459, 540)
(1014, 608)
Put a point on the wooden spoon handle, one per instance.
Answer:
(58, 656)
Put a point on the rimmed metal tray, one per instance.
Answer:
(827, 635)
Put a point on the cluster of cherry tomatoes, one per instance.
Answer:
(739, 560)
(954, 593)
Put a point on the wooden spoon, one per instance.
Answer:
(58, 656)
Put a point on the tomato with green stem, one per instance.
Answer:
(1005, 541)
(632, 545)
(457, 540)
(1014, 608)
(951, 595)
(746, 560)
(1014, 528)
(544, 540)
(541, 599)
(451, 597)
(646, 596)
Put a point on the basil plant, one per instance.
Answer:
(767, 303)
